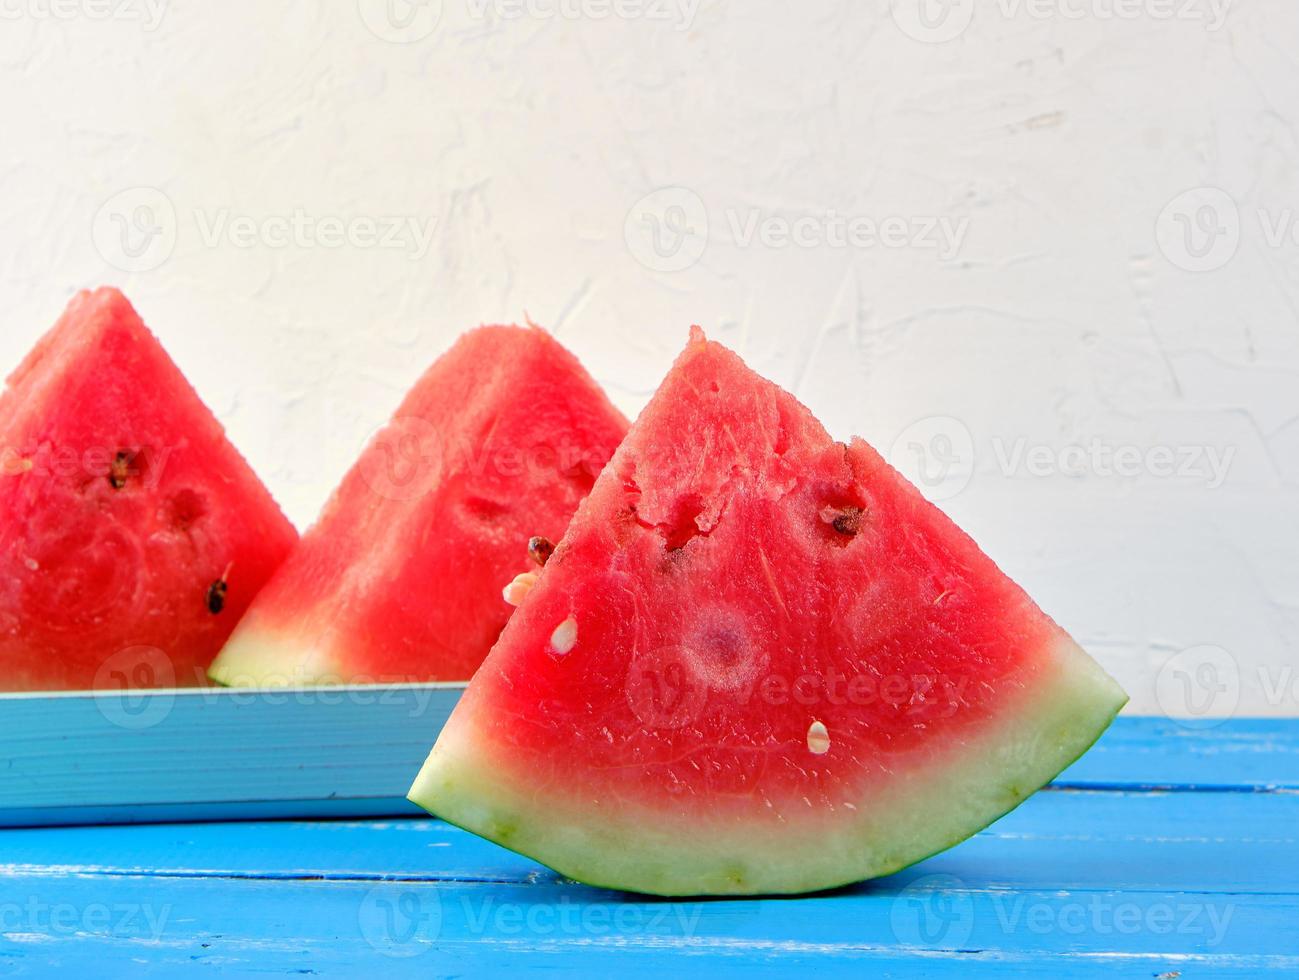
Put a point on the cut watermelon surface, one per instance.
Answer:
(758, 662)
(132, 533)
(401, 578)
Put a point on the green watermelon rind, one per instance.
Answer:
(1050, 725)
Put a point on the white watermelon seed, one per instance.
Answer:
(518, 590)
(565, 636)
(818, 738)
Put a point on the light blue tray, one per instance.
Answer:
(215, 754)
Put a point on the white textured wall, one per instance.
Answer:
(1057, 303)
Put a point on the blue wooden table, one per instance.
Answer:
(1169, 851)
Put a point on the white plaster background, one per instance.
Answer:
(1055, 140)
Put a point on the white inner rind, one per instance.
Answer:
(257, 657)
(937, 798)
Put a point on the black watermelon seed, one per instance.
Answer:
(848, 521)
(120, 469)
(216, 596)
(540, 549)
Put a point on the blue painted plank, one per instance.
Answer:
(1237, 753)
(1076, 840)
(333, 927)
(91, 959)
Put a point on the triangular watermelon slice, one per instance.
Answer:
(401, 578)
(132, 533)
(759, 661)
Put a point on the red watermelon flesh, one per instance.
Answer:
(401, 578)
(132, 533)
(759, 661)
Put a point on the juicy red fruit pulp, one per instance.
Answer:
(732, 589)
(124, 513)
(759, 661)
(401, 578)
